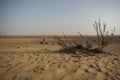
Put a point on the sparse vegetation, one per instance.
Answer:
(103, 39)
(66, 47)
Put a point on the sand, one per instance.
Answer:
(28, 59)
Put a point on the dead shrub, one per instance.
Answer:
(103, 38)
(66, 47)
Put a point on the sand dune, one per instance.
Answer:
(30, 60)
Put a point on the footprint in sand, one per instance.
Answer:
(100, 76)
(38, 69)
(20, 78)
(69, 77)
(36, 59)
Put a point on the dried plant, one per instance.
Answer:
(87, 38)
(103, 38)
(88, 42)
(66, 47)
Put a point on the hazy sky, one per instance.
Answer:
(41, 17)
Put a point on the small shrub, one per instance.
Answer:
(66, 47)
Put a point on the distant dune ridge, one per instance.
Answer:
(25, 58)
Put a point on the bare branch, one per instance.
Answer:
(87, 38)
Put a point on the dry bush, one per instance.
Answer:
(103, 38)
(66, 47)
(88, 42)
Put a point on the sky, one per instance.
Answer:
(52, 17)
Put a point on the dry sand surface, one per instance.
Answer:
(28, 59)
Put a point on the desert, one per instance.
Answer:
(59, 39)
(26, 58)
